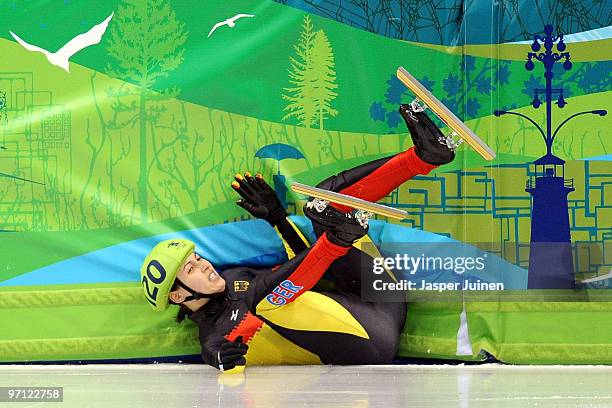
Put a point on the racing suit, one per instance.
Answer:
(280, 316)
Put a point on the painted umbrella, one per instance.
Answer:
(279, 151)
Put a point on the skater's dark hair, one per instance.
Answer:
(184, 311)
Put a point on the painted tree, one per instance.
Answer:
(146, 41)
(324, 77)
(300, 95)
(312, 74)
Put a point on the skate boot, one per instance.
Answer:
(412, 114)
(343, 229)
(430, 144)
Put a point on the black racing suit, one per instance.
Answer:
(283, 320)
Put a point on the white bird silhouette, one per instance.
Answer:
(229, 22)
(61, 56)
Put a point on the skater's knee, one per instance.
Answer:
(381, 353)
(411, 159)
(333, 183)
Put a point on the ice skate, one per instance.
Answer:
(323, 197)
(430, 144)
(344, 228)
(425, 99)
(346, 225)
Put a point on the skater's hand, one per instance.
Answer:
(231, 354)
(258, 198)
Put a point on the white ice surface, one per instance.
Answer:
(185, 386)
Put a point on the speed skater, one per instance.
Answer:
(275, 315)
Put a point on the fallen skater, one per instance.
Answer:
(272, 315)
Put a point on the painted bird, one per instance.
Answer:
(60, 57)
(229, 22)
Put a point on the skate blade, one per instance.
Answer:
(349, 201)
(445, 114)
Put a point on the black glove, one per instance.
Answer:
(231, 354)
(342, 228)
(258, 198)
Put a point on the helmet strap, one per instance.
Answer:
(196, 295)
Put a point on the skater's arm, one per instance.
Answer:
(293, 239)
(261, 201)
(288, 281)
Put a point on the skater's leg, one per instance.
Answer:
(380, 183)
(375, 341)
(374, 180)
(370, 181)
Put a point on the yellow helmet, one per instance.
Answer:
(159, 270)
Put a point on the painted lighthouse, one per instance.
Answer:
(550, 256)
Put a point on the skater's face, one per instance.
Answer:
(199, 275)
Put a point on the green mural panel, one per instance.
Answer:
(139, 135)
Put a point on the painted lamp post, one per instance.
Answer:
(550, 256)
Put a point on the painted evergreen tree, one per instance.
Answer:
(146, 41)
(301, 94)
(324, 77)
(312, 74)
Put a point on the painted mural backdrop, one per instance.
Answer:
(131, 133)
